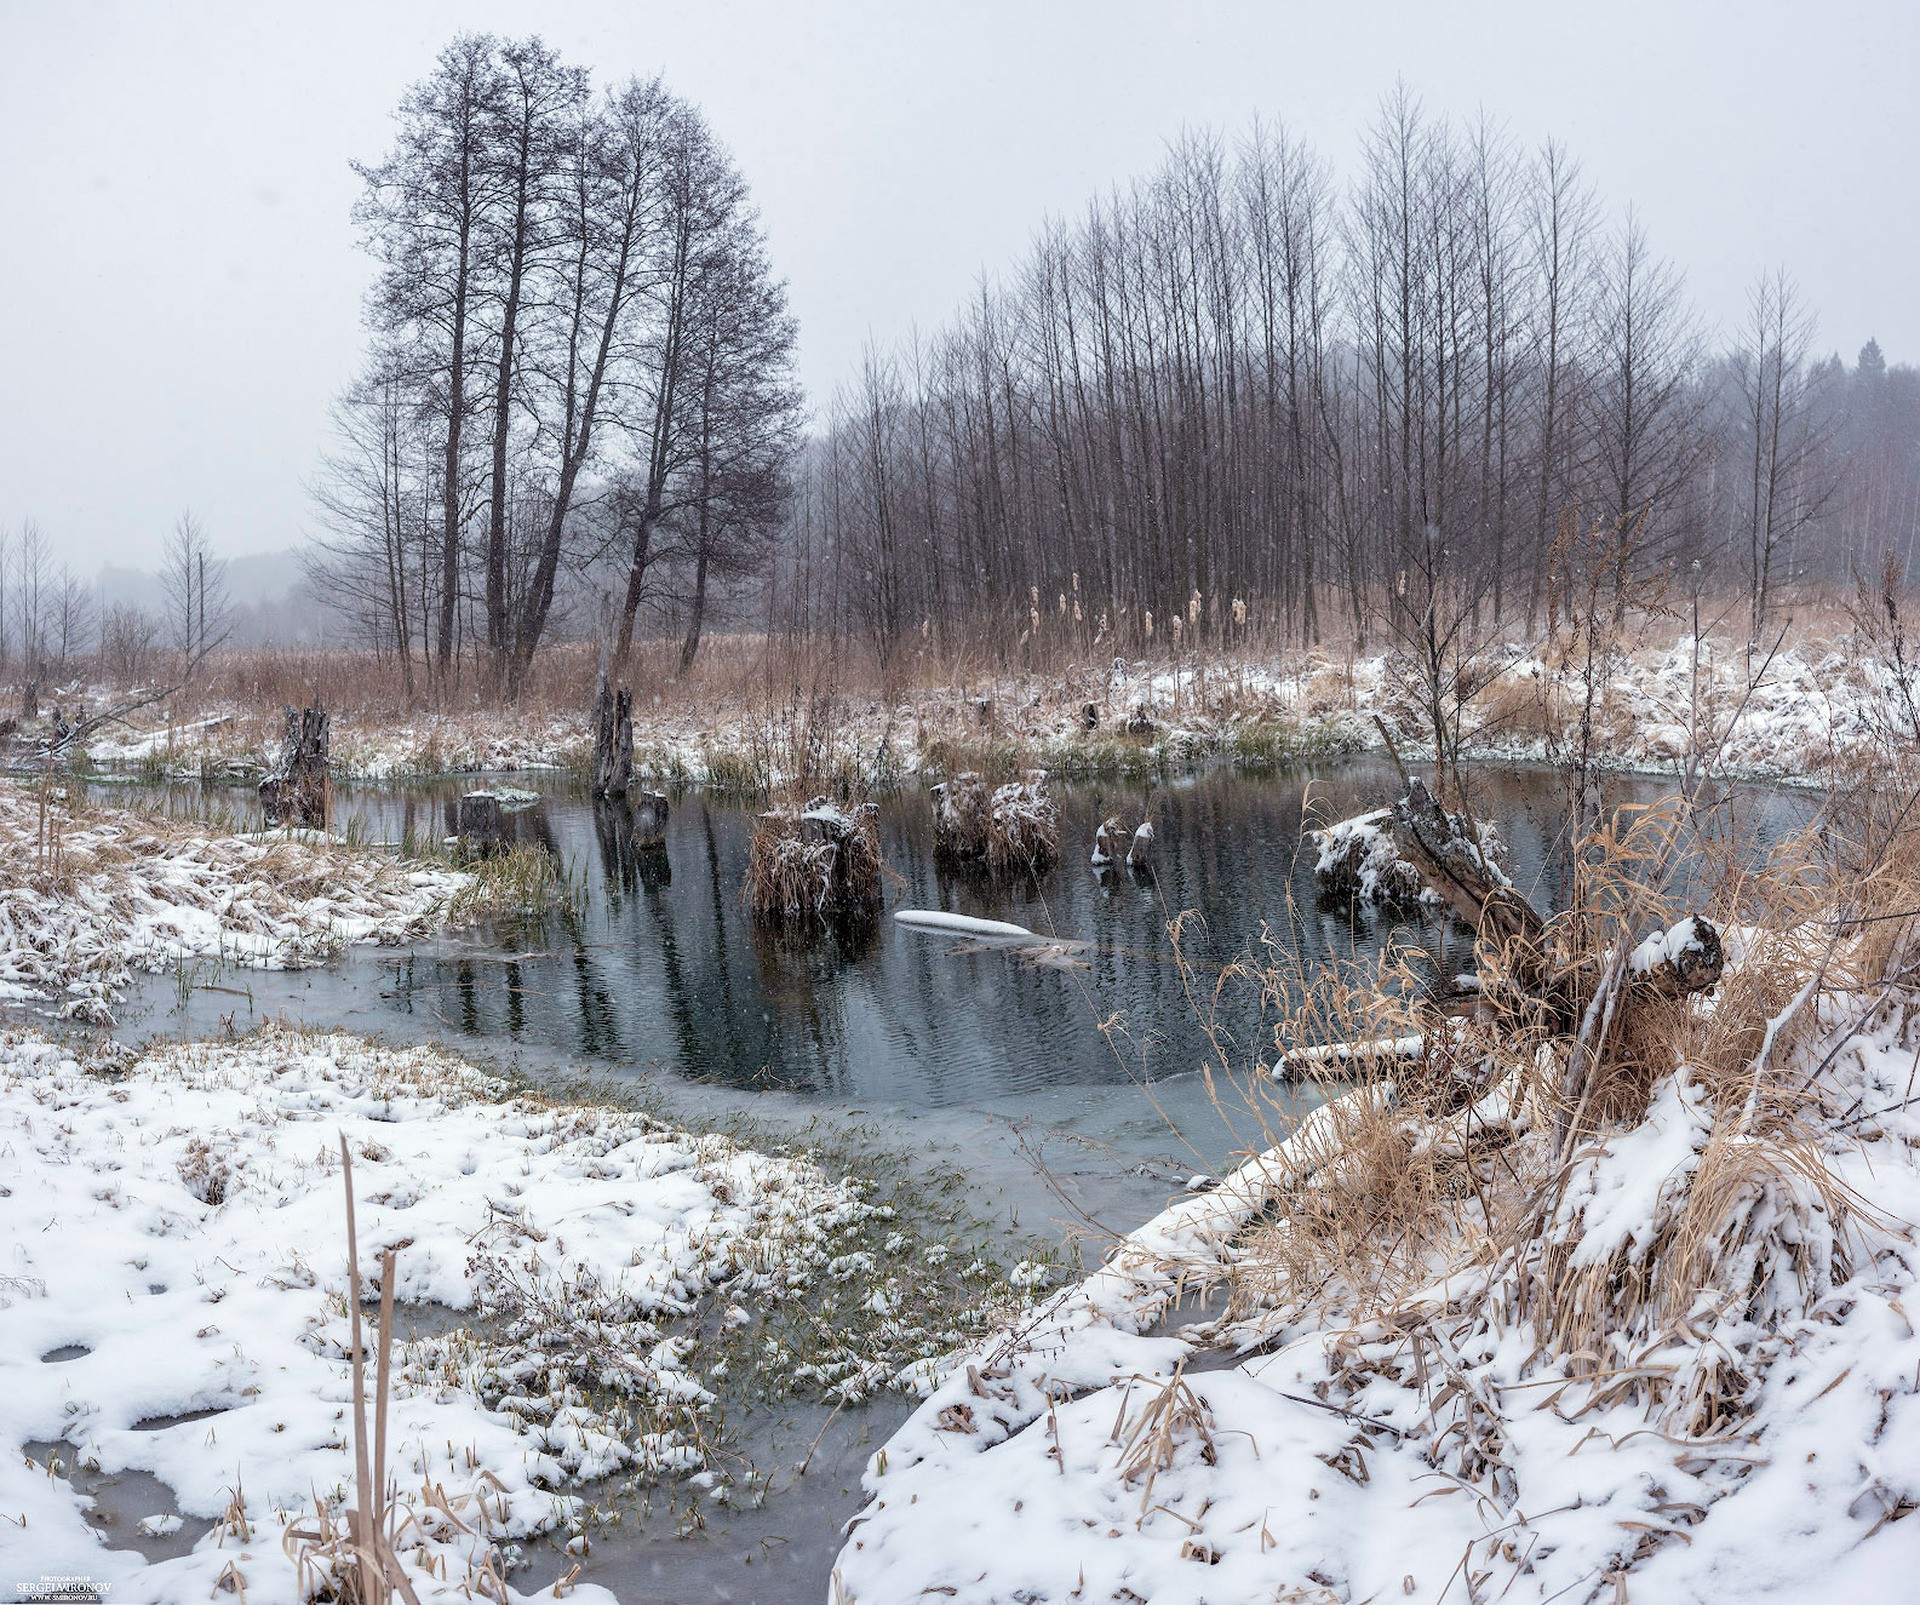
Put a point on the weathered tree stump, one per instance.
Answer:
(612, 740)
(983, 710)
(482, 824)
(1140, 850)
(1090, 716)
(1108, 840)
(1139, 722)
(301, 789)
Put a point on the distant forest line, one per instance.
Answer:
(1251, 395)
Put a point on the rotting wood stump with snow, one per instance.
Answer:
(1541, 971)
(819, 861)
(300, 790)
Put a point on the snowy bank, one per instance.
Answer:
(174, 1302)
(90, 894)
(1681, 1366)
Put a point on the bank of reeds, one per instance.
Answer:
(1478, 1181)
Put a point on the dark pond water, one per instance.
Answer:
(661, 970)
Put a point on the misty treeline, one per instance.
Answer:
(55, 626)
(1250, 391)
(577, 394)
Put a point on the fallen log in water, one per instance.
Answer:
(933, 919)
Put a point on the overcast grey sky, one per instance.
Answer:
(180, 287)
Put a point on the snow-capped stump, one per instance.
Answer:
(1141, 847)
(1107, 840)
(300, 791)
(1686, 957)
(1358, 862)
(482, 825)
(818, 861)
(650, 809)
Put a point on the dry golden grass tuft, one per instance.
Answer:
(815, 861)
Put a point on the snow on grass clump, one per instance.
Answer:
(177, 1247)
(1484, 1354)
(88, 895)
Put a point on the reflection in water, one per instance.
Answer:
(660, 964)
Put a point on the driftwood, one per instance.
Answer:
(301, 789)
(1455, 857)
(612, 739)
(1553, 982)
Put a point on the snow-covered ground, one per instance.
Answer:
(89, 894)
(1795, 714)
(1761, 1439)
(481, 741)
(173, 1301)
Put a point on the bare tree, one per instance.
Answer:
(1788, 484)
(32, 612)
(422, 214)
(1645, 410)
(615, 204)
(193, 587)
(71, 630)
(128, 637)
